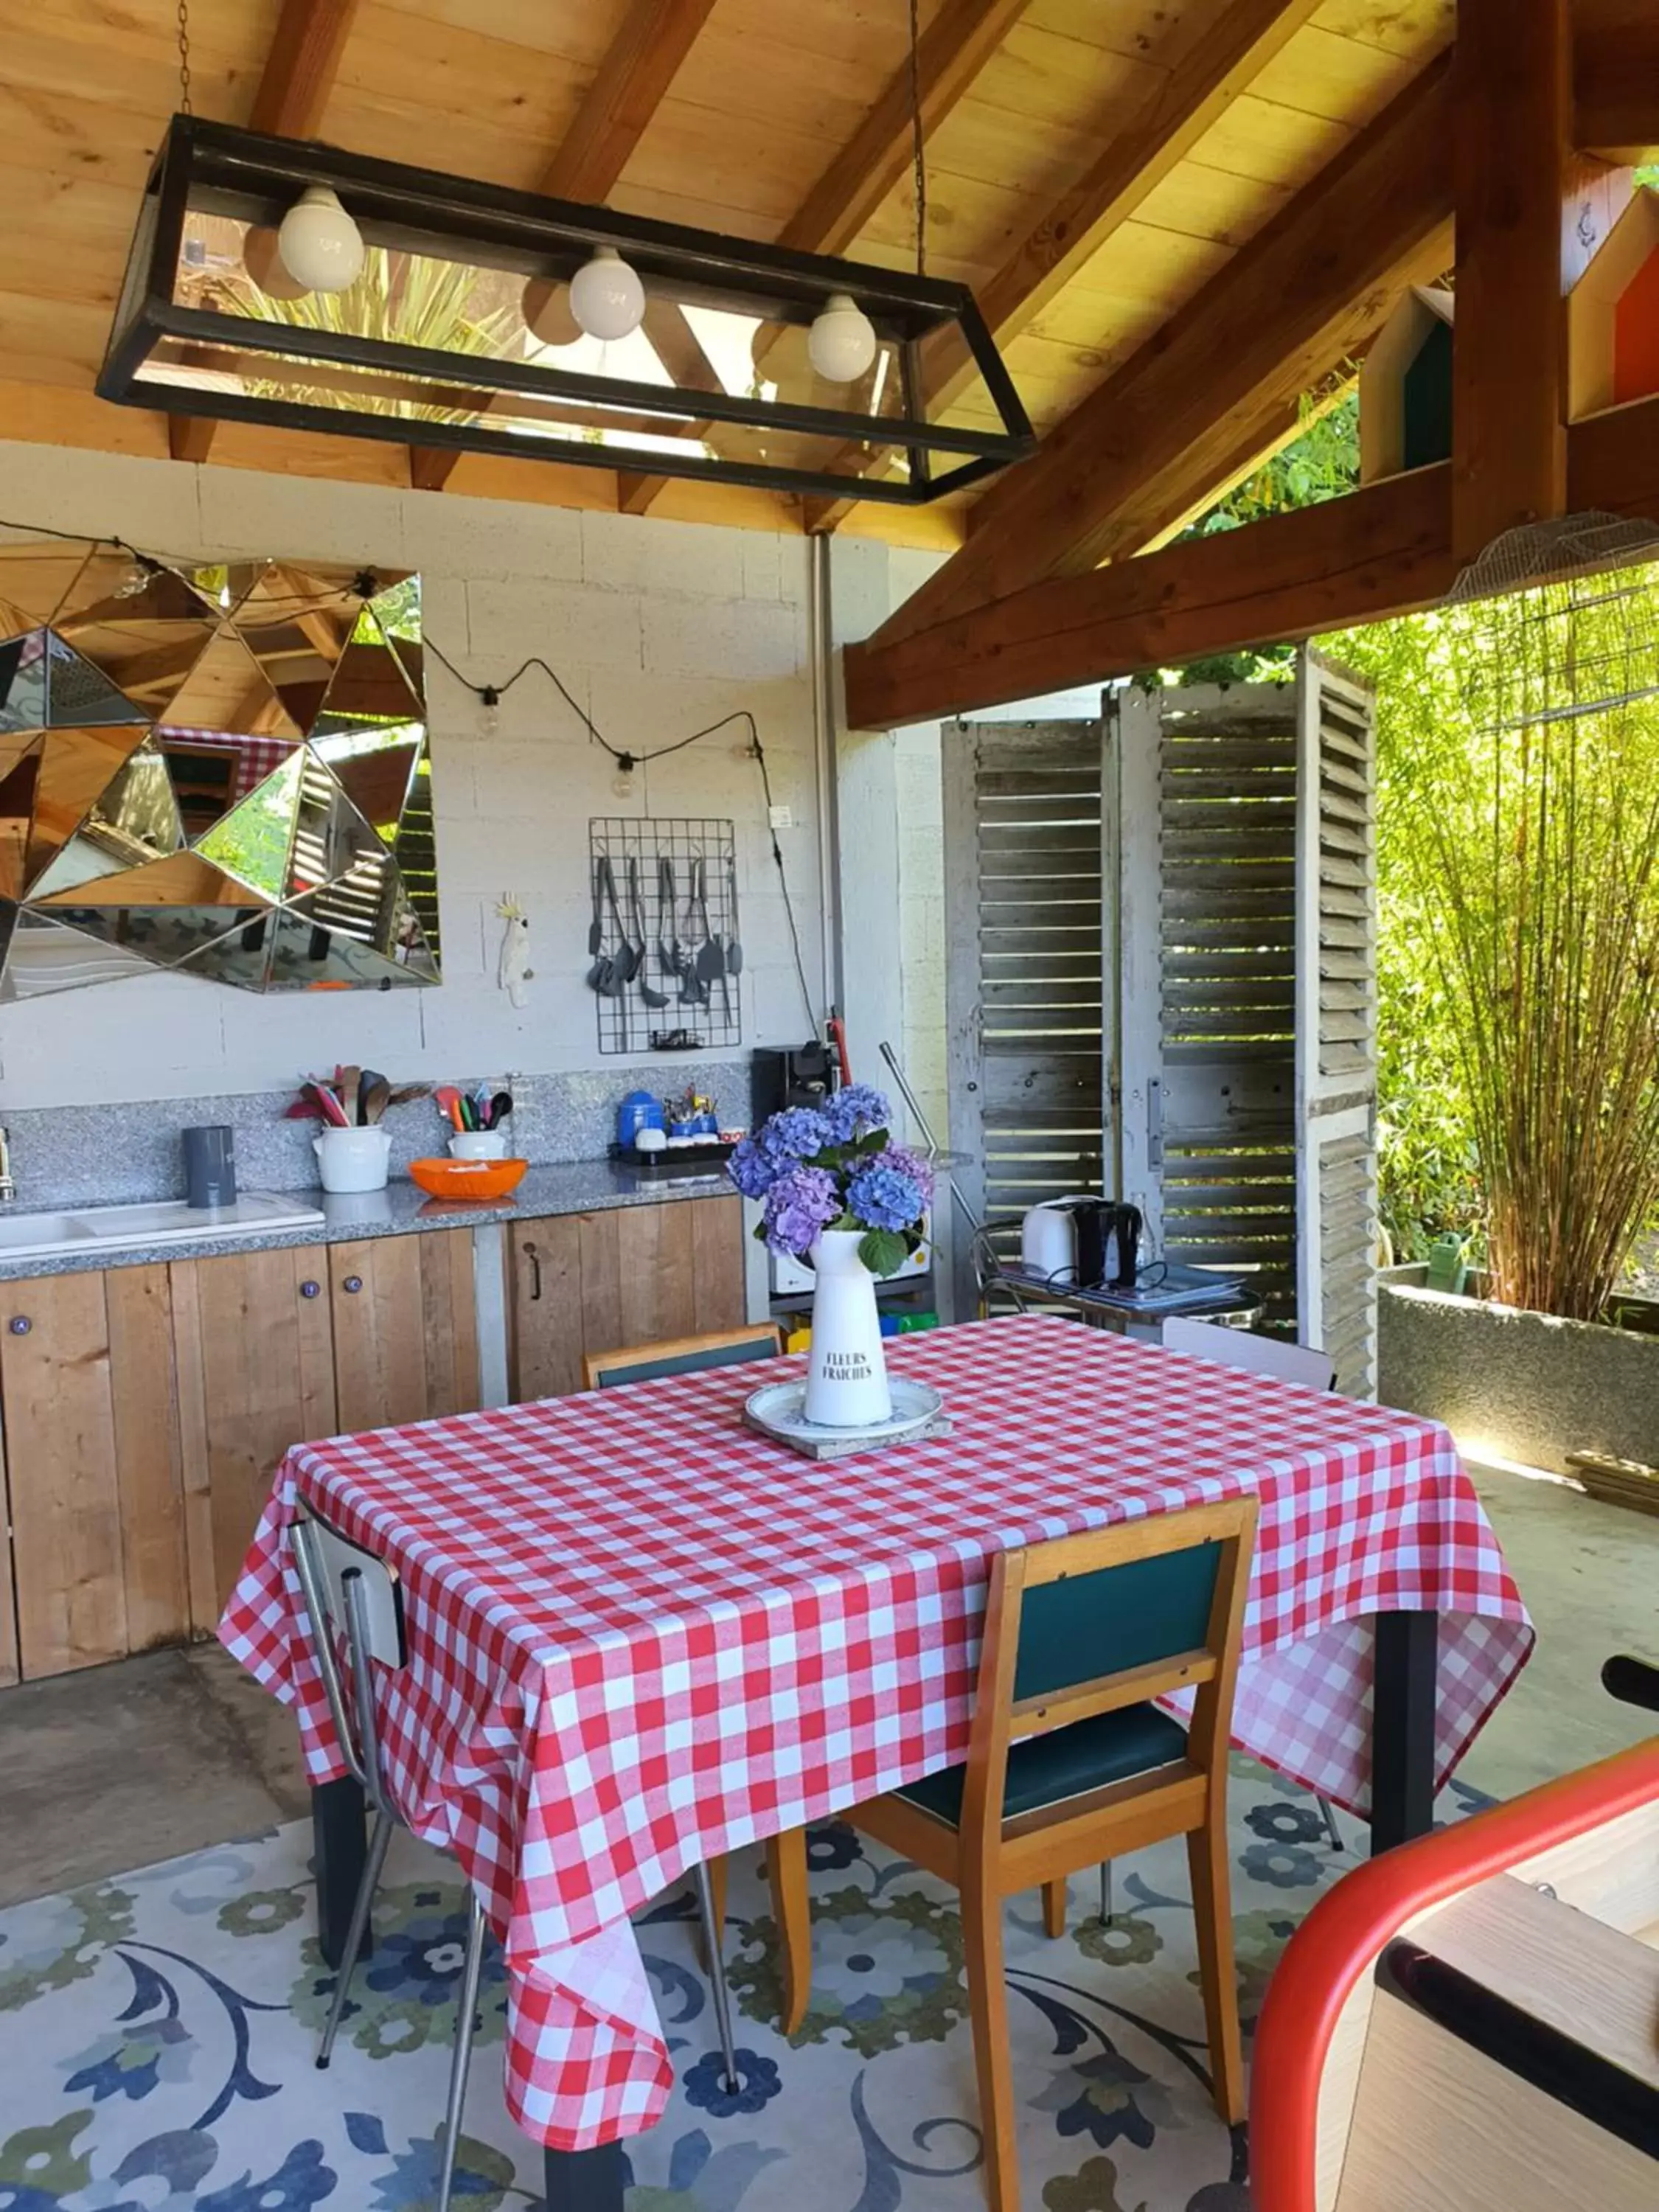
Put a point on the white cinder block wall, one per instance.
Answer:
(658, 627)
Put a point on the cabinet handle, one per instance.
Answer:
(535, 1260)
(310, 1290)
(354, 1284)
(20, 1324)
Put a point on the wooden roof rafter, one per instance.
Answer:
(301, 67)
(640, 62)
(951, 52)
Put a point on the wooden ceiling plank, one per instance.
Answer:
(951, 52)
(639, 64)
(1384, 551)
(1511, 94)
(289, 102)
(1269, 314)
(1616, 79)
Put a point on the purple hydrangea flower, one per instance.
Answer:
(885, 1197)
(921, 1171)
(801, 1202)
(857, 1107)
(794, 1133)
(752, 1169)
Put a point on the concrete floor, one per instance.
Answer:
(119, 1766)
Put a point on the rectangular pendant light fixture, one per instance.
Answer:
(474, 319)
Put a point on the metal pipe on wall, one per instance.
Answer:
(820, 649)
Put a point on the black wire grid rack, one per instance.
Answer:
(675, 923)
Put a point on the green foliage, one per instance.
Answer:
(1518, 863)
(883, 1251)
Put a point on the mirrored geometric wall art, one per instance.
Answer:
(219, 771)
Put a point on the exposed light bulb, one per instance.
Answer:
(842, 342)
(547, 312)
(321, 247)
(137, 580)
(490, 720)
(622, 783)
(606, 296)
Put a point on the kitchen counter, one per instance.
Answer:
(574, 1187)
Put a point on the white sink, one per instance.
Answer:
(171, 1221)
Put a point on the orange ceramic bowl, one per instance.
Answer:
(468, 1178)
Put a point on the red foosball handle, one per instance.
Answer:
(1348, 1929)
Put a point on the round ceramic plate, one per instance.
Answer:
(778, 1410)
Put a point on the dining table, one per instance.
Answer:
(641, 1635)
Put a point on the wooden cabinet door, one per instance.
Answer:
(637, 1274)
(93, 1468)
(405, 1329)
(254, 1354)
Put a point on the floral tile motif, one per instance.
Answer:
(160, 2031)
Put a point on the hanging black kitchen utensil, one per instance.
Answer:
(599, 974)
(651, 997)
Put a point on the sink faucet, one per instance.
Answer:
(7, 1187)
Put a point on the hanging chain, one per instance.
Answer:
(184, 108)
(919, 157)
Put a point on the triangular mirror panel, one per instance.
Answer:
(255, 840)
(240, 958)
(375, 765)
(332, 841)
(379, 679)
(45, 957)
(183, 880)
(115, 588)
(148, 661)
(212, 773)
(162, 936)
(133, 821)
(308, 954)
(76, 766)
(79, 693)
(19, 769)
(38, 574)
(23, 682)
(226, 689)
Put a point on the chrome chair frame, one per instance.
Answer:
(357, 1731)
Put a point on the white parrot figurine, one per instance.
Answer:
(513, 972)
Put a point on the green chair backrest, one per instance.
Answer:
(1132, 1615)
(649, 1365)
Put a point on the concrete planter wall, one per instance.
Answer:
(1521, 1386)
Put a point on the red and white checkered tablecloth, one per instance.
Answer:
(642, 1635)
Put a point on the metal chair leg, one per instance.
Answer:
(1106, 1893)
(1327, 1814)
(714, 1936)
(360, 1904)
(466, 2013)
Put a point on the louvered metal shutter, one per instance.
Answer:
(1207, 802)
(1336, 1030)
(1023, 968)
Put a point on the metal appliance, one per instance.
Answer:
(1068, 1241)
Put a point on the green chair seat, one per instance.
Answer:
(1044, 1769)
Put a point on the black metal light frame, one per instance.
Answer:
(215, 168)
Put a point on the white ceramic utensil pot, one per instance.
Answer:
(847, 1370)
(478, 1144)
(353, 1159)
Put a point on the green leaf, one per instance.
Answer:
(873, 1141)
(883, 1251)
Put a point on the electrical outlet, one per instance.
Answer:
(781, 818)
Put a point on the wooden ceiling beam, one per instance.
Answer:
(1383, 551)
(1615, 63)
(1220, 66)
(951, 53)
(640, 62)
(1512, 113)
(1267, 326)
(289, 102)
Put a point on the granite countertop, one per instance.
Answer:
(571, 1187)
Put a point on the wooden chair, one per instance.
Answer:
(1258, 1355)
(786, 1855)
(1070, 1762)
(1254, 1355)
(681, 1355)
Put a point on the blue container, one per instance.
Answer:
(639, 1110)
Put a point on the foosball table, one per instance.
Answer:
(1471, 2023)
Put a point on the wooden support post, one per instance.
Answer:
(1512, 111)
